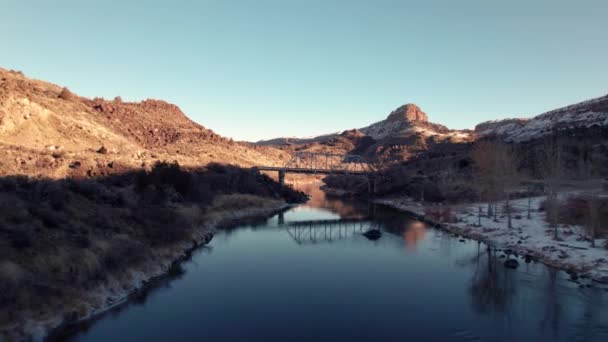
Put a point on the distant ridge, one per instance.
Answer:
(584, 114)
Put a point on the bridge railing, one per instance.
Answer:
(328, 162)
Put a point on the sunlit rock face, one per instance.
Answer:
(408, 112)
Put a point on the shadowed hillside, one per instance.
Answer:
(70, 247)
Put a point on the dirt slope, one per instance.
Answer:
(46, 130)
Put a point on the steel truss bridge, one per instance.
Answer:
(322, 163)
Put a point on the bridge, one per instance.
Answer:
(324, 164)
(319, 231)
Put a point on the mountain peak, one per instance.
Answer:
(408, 112)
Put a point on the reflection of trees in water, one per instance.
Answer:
(552, 310)
(588, 326)
(592, 325)
(492, 286)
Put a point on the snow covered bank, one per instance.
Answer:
(531, 238)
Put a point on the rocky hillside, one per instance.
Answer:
(407, 135)
(586, 114)
(46, 130)
(406, 132)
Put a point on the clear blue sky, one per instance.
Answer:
(260, 69)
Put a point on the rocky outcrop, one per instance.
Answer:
(151, 123)
(408, 112)
(405, 133)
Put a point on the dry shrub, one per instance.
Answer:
(124, 254)
(163, 225)
(575, 210)
(102, 150)
(440, 214)
(11, 273)
(66, 94)
(60, 238)
(190, 215)
(235, 202)
(166, 174)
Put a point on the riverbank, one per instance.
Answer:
(123, 286)
(530, 238)
(70, 248)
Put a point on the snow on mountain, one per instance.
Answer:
(399, 121)
(585, 114)
(410, 119)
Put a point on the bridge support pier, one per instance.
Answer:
(282, 177)
(371, 184)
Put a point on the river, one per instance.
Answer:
(310, 274)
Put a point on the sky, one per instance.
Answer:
(260, 69)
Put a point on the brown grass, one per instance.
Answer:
(61, 239)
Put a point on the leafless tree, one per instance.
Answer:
(482, 156)
(508, 175)
(550, 167)
(587, 166)
(529, 209)
(497, 164)
(594, 216)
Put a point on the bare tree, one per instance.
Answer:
(529, 209)
(507, 175)
(497, 165)
(594, 216)
(550, 167)
(482, 156)
(587, 166)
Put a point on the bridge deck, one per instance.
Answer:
(312, 171)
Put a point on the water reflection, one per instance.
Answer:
(413, 234)
(313, 267)
(492, 286)
(319, 231)
(370, 222)
(346, 209)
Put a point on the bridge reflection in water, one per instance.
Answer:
(410, 231)
(327, 231)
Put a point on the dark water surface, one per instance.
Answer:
(327, 282)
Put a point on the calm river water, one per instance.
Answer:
(311, 275)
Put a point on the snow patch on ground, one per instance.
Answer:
(533, 237)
